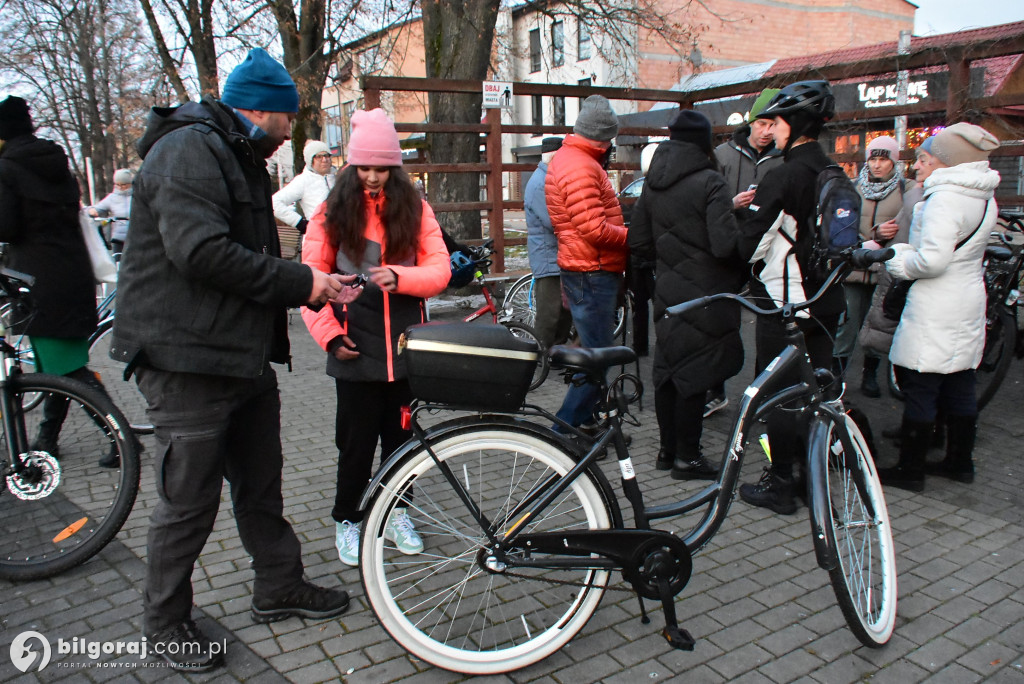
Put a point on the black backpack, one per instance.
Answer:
(836, 221)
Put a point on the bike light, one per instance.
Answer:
(405, 419)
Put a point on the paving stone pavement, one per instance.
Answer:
(761, 609)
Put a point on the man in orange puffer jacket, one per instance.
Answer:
(592, 252)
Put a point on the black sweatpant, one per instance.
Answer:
(785, 430)
(680, 421)
(367, 411)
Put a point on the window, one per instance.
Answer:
(538, 111)
(583, 82)
(559, 107)
(557, 45)
(534, 50)
(333, 127)
(582, 41)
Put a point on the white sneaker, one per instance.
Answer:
(401, 531)
(346, 539)
(715, 404)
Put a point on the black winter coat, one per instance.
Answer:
(684, 222)
(39, 205)
(202, 287)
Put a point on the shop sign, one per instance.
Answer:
(885, 95)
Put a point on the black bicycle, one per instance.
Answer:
(522, 530)
(58, 508)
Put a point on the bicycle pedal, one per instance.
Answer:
(678, 638)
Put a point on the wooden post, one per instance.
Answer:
(371, 98)
(495, 215)
(959, 95)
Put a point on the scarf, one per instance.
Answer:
(876, 190)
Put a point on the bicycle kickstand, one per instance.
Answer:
(676, 636)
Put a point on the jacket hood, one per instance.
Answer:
(163, 120)
(46, 161)
(674, 160)
(974, 179)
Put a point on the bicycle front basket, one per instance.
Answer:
(475, 366)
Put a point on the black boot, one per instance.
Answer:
(55, 410)
(959, 462)
(695, 468)
(909, 472)
(773, 491)
(869, 381)
(664, 461)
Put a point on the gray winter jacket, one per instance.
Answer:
(202, 287)
(741, 164)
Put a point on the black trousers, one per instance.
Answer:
(925, 393)
(680, 421)
(786, 433)
(367, 411)
(209, 428)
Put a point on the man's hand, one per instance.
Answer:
(743, 200)
(326, 287)
(346, 351)
(384, 278)
(887, 230)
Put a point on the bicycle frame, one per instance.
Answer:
(17, 439)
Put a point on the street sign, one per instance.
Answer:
(497, 94)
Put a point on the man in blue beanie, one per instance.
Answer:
(202, 301)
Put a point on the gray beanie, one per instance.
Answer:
(597, 120)
(124, 176)
(962, 143)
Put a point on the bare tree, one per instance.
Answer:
(194, 32)
(458, 37)
(86, 70)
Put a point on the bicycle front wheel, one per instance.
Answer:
(523, 331)
(62, 506)
(864, 579)
(443, 605)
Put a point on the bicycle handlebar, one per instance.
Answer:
(857, 258)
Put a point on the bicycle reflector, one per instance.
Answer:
(405, 417)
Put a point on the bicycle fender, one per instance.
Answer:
(817, 494)
(477, 421)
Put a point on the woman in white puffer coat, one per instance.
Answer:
(309, 189)
(941, 335)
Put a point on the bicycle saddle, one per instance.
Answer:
(998, 252)
(590, 359)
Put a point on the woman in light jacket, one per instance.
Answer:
(939, 341)
(309, 189)
(374, 223)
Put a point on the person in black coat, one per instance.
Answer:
(39, 202)
(684, 223)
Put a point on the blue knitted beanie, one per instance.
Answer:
(260, 83)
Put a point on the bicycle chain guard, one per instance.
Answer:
(39, 479)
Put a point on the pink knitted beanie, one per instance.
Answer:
(374, 141)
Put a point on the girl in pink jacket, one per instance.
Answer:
(373, 223)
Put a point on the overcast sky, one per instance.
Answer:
(947, 16)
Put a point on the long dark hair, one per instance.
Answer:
(346, 215)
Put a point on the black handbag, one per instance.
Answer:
(895, 299)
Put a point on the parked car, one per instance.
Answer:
(628, 197)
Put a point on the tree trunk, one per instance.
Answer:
(457, 41)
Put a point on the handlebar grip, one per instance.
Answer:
(680, 309)
(862, 258)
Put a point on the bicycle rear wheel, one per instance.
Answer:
(63, 507)
(125, 393)
(525, 332)
(864, 579)
(1000, 341)
(519, 304)
(443, 605)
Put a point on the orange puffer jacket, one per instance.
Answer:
(584, 210)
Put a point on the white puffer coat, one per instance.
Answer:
(942, 329)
